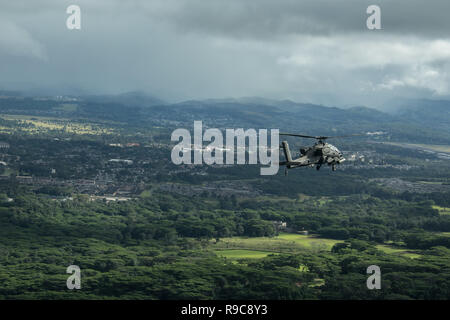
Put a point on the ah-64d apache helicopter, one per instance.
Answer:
(317, 155)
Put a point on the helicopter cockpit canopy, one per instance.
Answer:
(331, 150)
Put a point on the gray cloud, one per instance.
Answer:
(17, 41)
(271, 19)
(316, 51)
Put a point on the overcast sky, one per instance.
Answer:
(316, 51)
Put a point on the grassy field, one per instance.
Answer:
(431, 182)
(317, 283)
(438, 148)
(68, 107)
(397, 251)
(39, 125)
(242, 254)
(284, 243)
(247, 248)
(8, 172)
(442, 210)
(310, 242)
(433, 147)
(238, 254)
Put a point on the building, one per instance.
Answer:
(122, 160)
(279, 225)
(133, 144)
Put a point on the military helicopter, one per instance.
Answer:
(317, 155)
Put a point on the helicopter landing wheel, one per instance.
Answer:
(333, 167)
(318, 168)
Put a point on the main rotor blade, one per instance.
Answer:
(298, 135)
(358, 134)
(321, 137)
(347, 136)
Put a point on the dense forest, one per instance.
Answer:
(160, 247)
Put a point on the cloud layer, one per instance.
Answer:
(317, 51)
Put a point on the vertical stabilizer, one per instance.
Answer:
(287, 152)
